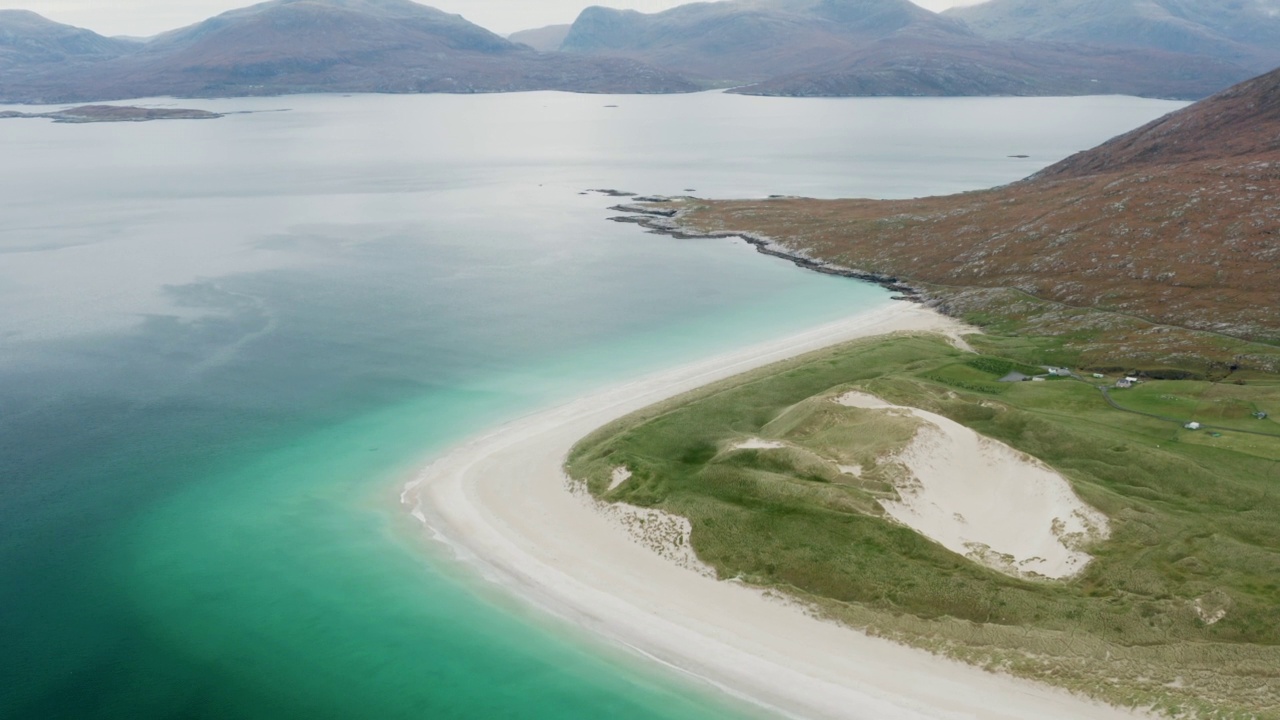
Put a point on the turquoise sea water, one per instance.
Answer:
(225, 345)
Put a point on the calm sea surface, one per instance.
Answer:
(224, 345)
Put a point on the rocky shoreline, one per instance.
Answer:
(666, 221)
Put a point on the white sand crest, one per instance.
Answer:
(503, 504)
(619, 475)
(759, 444)
(983, 499)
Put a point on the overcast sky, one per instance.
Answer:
(148, 17)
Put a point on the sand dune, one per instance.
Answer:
(503, 502)
(983, 499)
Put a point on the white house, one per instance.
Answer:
(1192, 425)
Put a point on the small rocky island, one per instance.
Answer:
(115, 113)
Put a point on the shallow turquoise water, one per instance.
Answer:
(225, 345)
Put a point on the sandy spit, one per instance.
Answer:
(501, 501)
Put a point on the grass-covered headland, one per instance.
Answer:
(1179, 610)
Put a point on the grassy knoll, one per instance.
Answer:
(1180, 609)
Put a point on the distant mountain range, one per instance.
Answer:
(1243, 32)
(889, 47)
(1163, 48)
(546, 39)
(294, 46)
(29, 40)
(747, 41)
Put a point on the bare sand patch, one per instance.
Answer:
(854, 470)
(620, 475)
(983, 499)
(759, 444)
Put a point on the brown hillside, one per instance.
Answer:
(1177, 223)
(1240, 121)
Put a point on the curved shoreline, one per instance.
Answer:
(503, 502)
(666, 221)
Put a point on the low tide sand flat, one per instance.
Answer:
(503, 502)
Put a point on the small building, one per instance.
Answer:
(1098, 376)
(1261, 415)
(1193, 425)
(1133, 380)
(1124, 383)
(1059, 371)
(1037, 378)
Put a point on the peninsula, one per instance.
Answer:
(628, 571)
(1082, 493)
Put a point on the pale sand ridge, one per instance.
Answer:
(983, 499)
(759, 444)
(502, 502)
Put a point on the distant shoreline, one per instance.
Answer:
(502, 501)
(114, 113)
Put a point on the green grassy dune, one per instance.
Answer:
(1180, 609)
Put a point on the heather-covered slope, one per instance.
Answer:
(290, 46)
(1238, 123)
(1176, 224)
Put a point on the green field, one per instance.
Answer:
(1195, 517)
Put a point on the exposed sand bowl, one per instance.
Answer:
(619, 475)
(987, 501)
(759, 444)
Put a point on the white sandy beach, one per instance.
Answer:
(503, 502)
